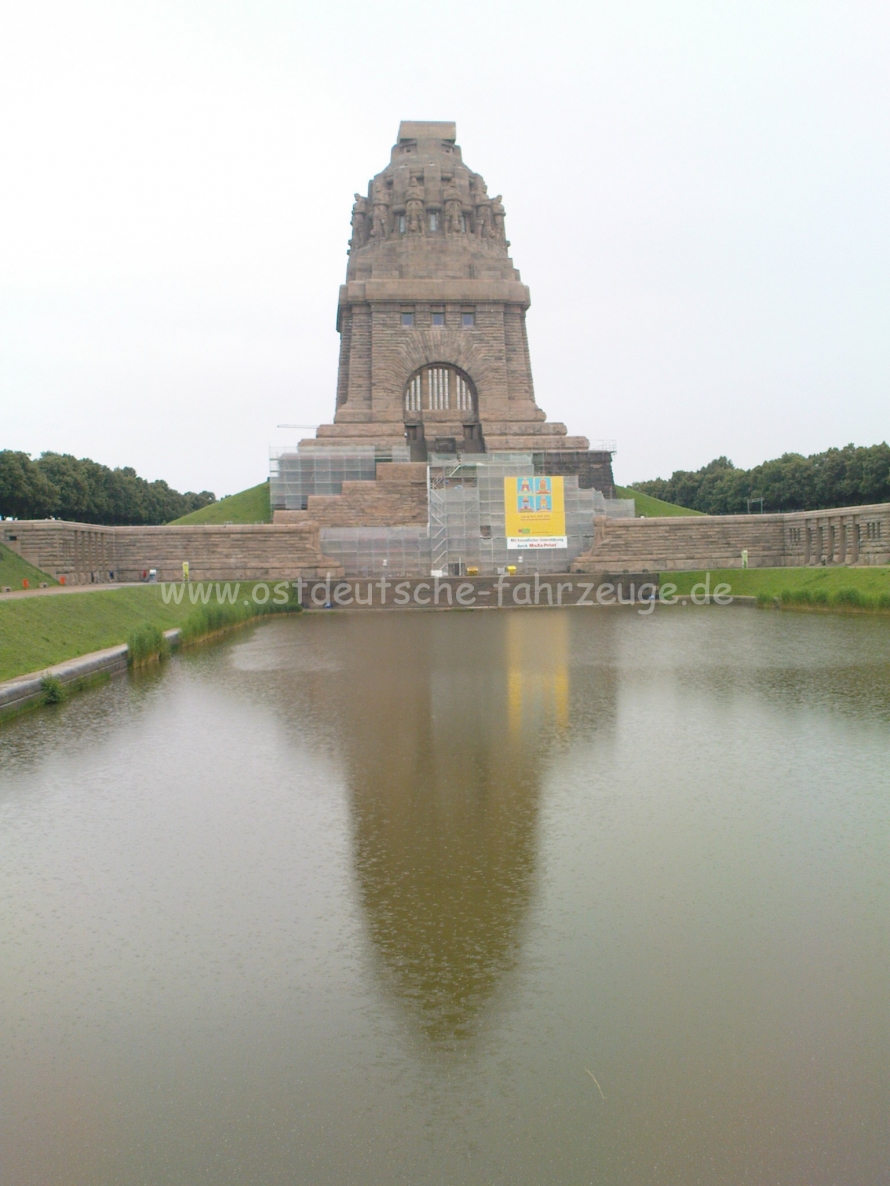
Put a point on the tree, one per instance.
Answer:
(82, 490)
(25, 492)
(838, 477)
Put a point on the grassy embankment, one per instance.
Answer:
(38, 632)
(252, 506)
(649, 507)
(13, 570)
(248, 506)
(799, 588)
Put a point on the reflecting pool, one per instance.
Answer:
(553, 896)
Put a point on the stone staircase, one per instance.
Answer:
(397, 498)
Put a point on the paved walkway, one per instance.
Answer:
(51, 589)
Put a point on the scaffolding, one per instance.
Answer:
(467, 524)
(297, 472)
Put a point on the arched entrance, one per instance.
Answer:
(441, 411)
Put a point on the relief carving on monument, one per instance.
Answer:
(380, 211)
(454, 210)
(498, 214)
(359, 223)
(483, 209)
(414, 208)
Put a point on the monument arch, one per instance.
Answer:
(441, 387)
(441, 411)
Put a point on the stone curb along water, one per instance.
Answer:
(26, 690)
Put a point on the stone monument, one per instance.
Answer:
(433, 345)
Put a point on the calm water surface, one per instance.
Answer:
(520, 897)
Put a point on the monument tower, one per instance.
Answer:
(433, 345)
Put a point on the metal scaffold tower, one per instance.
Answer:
(439, 478)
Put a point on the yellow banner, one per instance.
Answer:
(535, 512)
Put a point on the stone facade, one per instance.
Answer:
(87, 554)
(433, 344)
(849, 535)
(397, 497)
(291, 547)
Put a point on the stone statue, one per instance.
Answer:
(414, 209)
(359, 223)
(497, 217)
(483, 210)
(380, 211)
(454, 223)
(482, 202)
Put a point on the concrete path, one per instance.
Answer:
(16, 593)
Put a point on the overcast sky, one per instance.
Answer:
(698, 195)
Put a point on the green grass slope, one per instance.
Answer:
(36, 632)
(871, 582)
(13, 570)
(249, 506)
(651, 508)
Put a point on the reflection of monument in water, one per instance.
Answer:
(445, 803)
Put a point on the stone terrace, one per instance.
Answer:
(397, 498)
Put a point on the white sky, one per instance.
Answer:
(697, 193)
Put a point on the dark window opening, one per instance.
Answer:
(438, 318)
(468, 320)
(407, 319)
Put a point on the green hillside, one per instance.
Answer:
(651, 508)
(250, 506)
(13, 570)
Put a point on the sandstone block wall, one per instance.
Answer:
(852, 535)
(290, 547)
(86, 554)
(397, 498)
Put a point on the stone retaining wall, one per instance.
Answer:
(27, 690)
(850, 535)
(85, 554)
(291, 547)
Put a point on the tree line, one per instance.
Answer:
(836, 478)
(60, 486)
